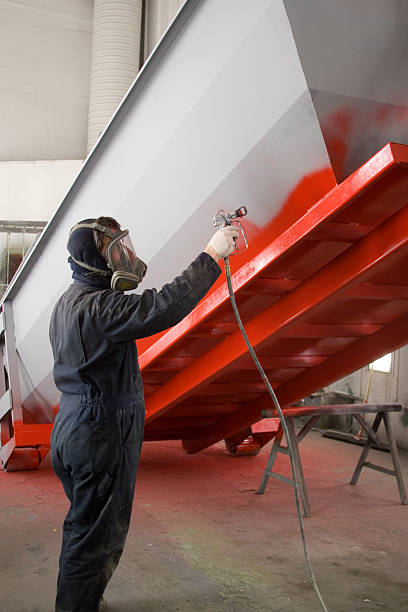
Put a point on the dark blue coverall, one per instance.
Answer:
(98, 430)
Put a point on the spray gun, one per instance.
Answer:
(223, 218)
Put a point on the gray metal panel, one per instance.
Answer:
(221, 112)
(5, 403)
(354, 55)
(144, 76)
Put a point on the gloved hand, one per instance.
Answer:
(222, 243)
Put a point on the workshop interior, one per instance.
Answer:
(286, 119)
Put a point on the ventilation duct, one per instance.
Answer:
(115, 59)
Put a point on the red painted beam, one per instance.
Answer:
(331, 330)
(213, 328)
(279, 286)
(270, 286)
(317, 216)
(225, 428)
(348, 232)
(211, 409)
(170, 363)
(32, 435)
(376, 291)
(273, 362)
(232, 388)
(387, 339)
(270, 362)
(352, 267)
(180, 423)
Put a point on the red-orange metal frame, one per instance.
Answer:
(324, 298)
(22, 446)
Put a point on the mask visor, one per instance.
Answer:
(124, 263)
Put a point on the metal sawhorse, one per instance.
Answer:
(315, 412)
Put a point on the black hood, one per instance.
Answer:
(82, 247)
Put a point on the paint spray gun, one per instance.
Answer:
(223, 218)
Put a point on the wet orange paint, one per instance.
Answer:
(309, 190)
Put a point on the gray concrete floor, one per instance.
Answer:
(200, 539)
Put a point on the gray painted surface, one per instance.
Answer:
(354, 55)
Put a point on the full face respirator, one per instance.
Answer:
(126, 269)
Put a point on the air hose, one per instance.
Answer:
(283, 423)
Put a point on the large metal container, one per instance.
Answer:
(266, 103)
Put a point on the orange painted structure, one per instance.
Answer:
(322, 299)
(325, 295)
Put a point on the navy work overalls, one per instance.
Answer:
(98, 430)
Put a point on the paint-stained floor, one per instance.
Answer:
(201, 539)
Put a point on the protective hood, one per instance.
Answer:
(121, 265)
(87, 264)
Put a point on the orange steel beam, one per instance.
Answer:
(387, 339)
(279, 286)
(331, 330)
(348, 269)
(272, 362)
(338, 198)
(349, 360)
(283, 361)
(377, 291)
(225, 428)
(32, 435)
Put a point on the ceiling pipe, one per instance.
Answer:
(116, 43)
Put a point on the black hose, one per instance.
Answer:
(284, 427)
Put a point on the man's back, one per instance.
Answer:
(87, 359)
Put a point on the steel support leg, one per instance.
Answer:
(271, 460)
(366, 449)
(298, 479)
(395, 458)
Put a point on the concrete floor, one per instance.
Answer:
(200, 539)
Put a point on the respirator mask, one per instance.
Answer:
(127, 270)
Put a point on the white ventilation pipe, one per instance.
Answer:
(116, 40)
(159, 13)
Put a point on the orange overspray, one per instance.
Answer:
(309, 190)
(337, 130)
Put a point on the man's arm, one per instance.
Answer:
(129, 317)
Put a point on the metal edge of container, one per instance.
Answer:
(144, 75)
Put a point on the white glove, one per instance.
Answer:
(222, 243)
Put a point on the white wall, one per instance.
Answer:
(45, 50)
(31, 191)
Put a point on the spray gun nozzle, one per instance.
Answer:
(223, 218)
(240, 212)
